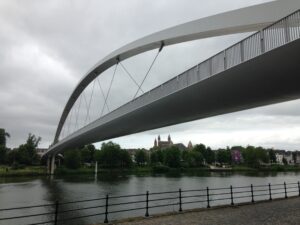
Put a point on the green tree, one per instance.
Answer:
(194, 158)
(3, 154)
(3, 136)
(141, 157)
(223, 156)
(172, 157)
(88, 153)
(112, 156)
(72, 159)
(207, 153)
(26, 153)
(272, 156)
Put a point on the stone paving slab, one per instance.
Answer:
(276, 212)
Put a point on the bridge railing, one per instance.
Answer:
(282, 32)
(145, 204)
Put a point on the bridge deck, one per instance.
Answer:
(278, 212)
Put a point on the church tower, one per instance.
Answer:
(155, 143)
(190, 145)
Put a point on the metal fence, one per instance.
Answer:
(147, 203)
(280, 33)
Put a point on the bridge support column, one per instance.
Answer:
(48, 165)
(52, 167)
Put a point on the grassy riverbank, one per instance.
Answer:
(6, 171)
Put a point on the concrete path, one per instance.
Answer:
(277, 212)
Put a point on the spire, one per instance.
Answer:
(158, 138)
(169, 138)
(190, 145)
(155, 143)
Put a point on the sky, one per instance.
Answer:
(46, 47)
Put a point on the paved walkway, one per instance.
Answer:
(277, 212)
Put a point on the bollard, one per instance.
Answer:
(207, 195)
(252, 196)
(270, 192)
(106, 210)
(231, 195)
(285, 194)
(147, 204)
(56, 212)
(180, 202)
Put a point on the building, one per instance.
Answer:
(236, 156)
(289, 157)
(163, 144)
(132, 152)
(41, 151)
(158, 143)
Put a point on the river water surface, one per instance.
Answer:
(15, 192)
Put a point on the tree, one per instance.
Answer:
(172, 157)
(223, 156)
(140, 157)
(3, 154)
(88, 153)
(272, 156)
(284, 161)
(3, 136)
(194, 158)
(72, 159)
(207, 153)
(112, 156)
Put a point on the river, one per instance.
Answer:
(25, 191)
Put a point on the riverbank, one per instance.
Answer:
(276, 212)
(6, 171)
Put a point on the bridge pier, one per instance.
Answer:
(51, 165)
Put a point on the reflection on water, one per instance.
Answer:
(24, 191)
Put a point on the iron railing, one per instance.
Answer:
(148, 203)
(280, 33)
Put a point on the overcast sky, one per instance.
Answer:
(47, 46)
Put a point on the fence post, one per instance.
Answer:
(270, 192)
(147, 202)
(231, 195)
(106, 210)
(180, 202)
(56, 212)
(252, 196)
(285, 194)
(299, 187)
(207, 195)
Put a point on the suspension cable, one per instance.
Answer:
(159, 50)
(102, 92)
(70, 121)
(139, 88)
(78, 112)
(112, 79)
(88, 110)
(86, 104)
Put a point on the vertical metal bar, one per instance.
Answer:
(252, 196)
(286, 31)
(207, 195)
(56, 212)
(225, 61)
(147, 204)
(285, 194)
(262, 42)
(106, 210)
(270, 192)
(231, 195)
(180, 201)
(242, 51)
(299, 187)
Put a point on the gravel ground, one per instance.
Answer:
(277, 212)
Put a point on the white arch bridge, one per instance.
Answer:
(262, 69)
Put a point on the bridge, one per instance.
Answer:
(262, 69)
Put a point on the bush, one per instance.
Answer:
(160, 169)
(72, 159)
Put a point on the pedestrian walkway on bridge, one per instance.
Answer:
(276, 212)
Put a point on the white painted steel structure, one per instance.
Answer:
(242, 20)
